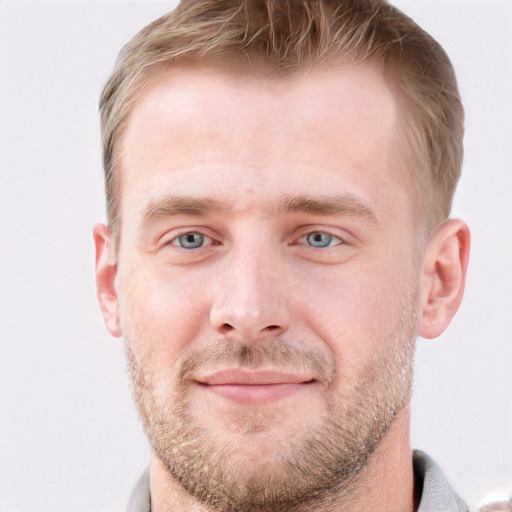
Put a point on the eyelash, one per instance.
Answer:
(331, 238)
(175, 241)
(305, 239)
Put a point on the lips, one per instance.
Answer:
(254, 387)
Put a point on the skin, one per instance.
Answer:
(300, 238)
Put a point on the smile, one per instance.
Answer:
(252, 387)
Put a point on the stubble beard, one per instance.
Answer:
(318, 469)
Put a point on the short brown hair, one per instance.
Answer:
(291, 33)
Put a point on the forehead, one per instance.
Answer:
(214, 129)
(194, 100)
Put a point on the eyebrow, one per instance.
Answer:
(170, 206)
(327, 205)
(345, 205)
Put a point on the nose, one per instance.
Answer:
(251, 304)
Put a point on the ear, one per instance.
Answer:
(443, 277)
(106, 269)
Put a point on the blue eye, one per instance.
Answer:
(190, 241)
(320, 239)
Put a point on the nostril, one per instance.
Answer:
(272, 327)
(225, 328)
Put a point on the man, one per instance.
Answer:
(279, 176)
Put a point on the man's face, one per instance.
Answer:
(267, 279)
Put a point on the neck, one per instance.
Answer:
(385, 484)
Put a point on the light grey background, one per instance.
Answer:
(69, 441)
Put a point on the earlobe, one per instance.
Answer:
(443, 277)
(105, 269)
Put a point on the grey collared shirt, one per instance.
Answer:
(437, 495)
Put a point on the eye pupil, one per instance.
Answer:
(191, 240)
(319, 239)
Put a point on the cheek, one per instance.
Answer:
(160, 315)
(356, 310)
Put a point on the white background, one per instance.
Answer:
(69, 441)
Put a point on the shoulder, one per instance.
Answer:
(140, 499)
(437, 495)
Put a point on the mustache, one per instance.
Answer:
(276, 353)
